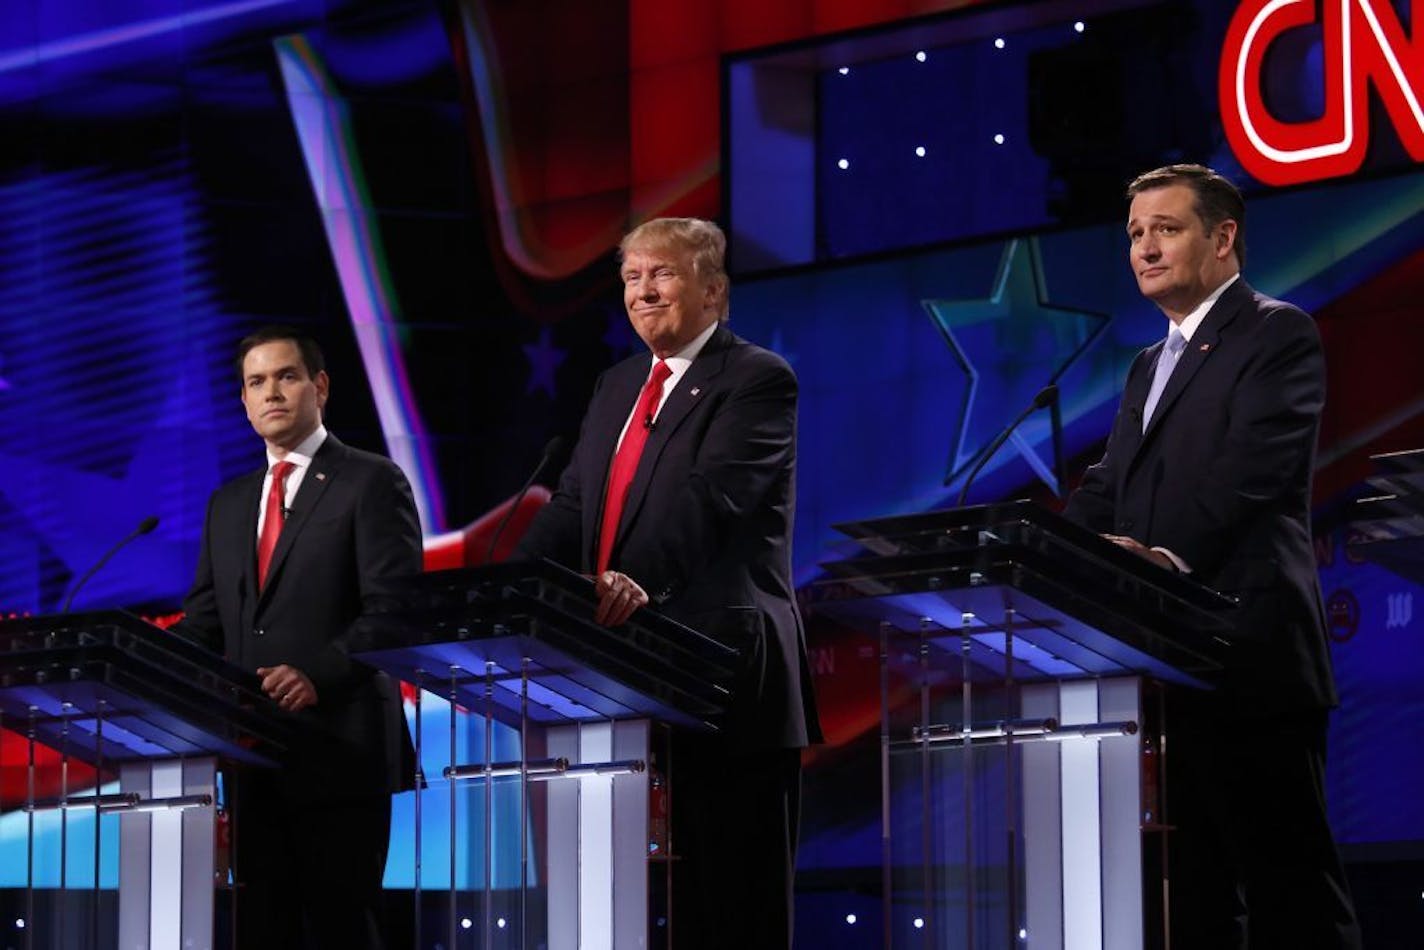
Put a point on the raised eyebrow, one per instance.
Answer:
(1153, 221)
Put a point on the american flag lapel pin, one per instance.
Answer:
(321, 476)
(695, 390)
(1206, 347)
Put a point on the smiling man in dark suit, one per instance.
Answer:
(1207, 470)
(292, 554)
(681, 492)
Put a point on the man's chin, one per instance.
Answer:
(1159, 293)
(274, 434)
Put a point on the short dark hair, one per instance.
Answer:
(312, 356)
(1217, 199)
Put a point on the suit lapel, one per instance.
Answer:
(609, 411)
(1203, 344)
(249, 500)
(690, 390)
(323, 470)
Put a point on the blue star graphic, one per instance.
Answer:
(1010, 345)
(544, 359)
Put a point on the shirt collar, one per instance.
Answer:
(1191, 321)
(682, 359)
(306, 450)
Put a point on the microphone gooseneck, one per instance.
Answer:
(1047, 396)
(552, 450)
(144, 527)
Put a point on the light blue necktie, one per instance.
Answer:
(1166, 362)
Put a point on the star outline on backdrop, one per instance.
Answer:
(1019, 296)
(544, 361)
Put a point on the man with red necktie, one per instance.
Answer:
(292, 554)
(680, 493)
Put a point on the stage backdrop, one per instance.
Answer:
(926, 221)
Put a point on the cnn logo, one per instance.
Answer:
(1363, 45)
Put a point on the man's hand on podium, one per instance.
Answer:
(288, 686)
(1141, 550)
(618, 596)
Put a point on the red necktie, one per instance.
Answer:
(625, 460)
(273, 520)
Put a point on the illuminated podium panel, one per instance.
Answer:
(1019, 743)
(516, 645)
(115, 693)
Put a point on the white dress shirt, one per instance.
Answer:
(301, 457)
(677, 364)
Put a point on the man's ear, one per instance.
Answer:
(715, 293)
(323, 387)
(1225, 239)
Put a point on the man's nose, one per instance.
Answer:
(273, 391)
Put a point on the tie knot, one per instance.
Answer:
(661, 371)
(1176, 342)
(281, 470)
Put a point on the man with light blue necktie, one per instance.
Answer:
(1207, 470)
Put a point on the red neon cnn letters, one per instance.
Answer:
(1363, 44)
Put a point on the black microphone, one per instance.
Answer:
(553, 449)
(1047, 396)
(144, 527)
(648, 422)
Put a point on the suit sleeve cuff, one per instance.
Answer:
(1182, 566)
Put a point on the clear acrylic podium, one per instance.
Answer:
(515, 644)
(1020, 744)
(1391, 522)
(118, 694)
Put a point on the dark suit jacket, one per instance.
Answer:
(706, 528)
(1222, 478)
(352, 526)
